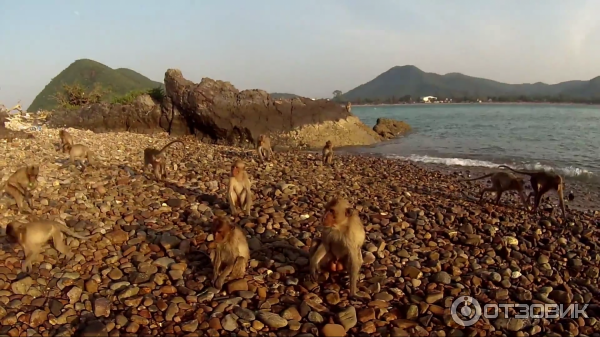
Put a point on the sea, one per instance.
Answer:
(561, 138)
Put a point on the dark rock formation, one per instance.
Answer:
(217, 110)
(9, 134)
(389, 128)
(144, 115)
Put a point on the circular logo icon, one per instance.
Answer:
(471, 314)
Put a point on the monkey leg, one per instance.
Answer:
(31, 254)
(239, 268)
(233, 202)
(16, 194)
(561, 201)
(315, 260)
(483, 191)
(355, 261)
(227, 272)
(498, 196)
(59, 243)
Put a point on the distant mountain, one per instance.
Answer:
(88, 73)
(282, 95)
(409, 80)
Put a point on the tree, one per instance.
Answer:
(337, 94)
(74, 96)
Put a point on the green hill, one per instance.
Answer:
(409, 80)
(88, 73)
(282, 95)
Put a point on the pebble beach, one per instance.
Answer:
(145, 271)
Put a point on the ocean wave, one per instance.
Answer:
(569, 171)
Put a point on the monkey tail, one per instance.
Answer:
(485, 176)
(67, 230)
(508, 167)
(166, 146)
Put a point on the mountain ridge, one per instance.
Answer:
(409, 80)
(89, 73)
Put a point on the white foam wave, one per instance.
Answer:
(570, 171)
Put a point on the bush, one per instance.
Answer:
(74, 96)
(157, 94)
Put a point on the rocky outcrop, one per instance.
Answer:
(390, 128)
(218, 111)
(144, 115)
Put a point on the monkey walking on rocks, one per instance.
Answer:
(541, 183)
(34, 235)
(264, 148)
(238, 192)
(157, 159)
(78, 152)
(340, 245)
(20, 183)
(328, 153)
(502, 182)
(65, 138)
(232, 252)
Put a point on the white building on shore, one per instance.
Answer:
(428, 99)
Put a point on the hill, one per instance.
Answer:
(409, 80)
(89, 73)
(282, 95)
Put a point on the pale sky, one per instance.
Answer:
(306, 47)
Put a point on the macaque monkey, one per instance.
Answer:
(502, 182)
(156, 158)
(232, 252)
(541, 183)
(239, 193)
(34, 235)
(20, 183)
(65, 138)
(340, 245)
(264, 148)
(328, 153)
(79, 152)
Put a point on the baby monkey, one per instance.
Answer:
(65, 138)
(239, 193)
(264, 148)
(541, 183)
(502, 182)
(34, 235)
(340, 246)
(78, 152)
(328, 153)
(157, 159)
(20, 183)
(232, 253)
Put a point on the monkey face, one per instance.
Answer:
(221, 229)
(32, 174)
(11, 233)
(329, 219)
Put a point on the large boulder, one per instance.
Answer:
(143, 115)
(390, 128)
(217, 111)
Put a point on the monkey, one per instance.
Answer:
(264, 148)
(232, 252)
(328, 153)
(541, 183)
(33, 236)
(78, 152)
(156, 158)
(502, 182)
(65, 138)
(20, 183)
(238, 192)
(341, 244)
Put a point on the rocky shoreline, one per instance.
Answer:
(145, 271)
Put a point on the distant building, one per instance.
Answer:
(428, 99)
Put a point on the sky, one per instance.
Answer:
(305, 47)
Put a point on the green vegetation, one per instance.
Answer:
(280, 95)
(158, 94)
(67, 89)
(408, 83)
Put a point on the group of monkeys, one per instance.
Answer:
(342, 234)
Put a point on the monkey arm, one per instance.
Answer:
(224, 275)
(316, 258)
